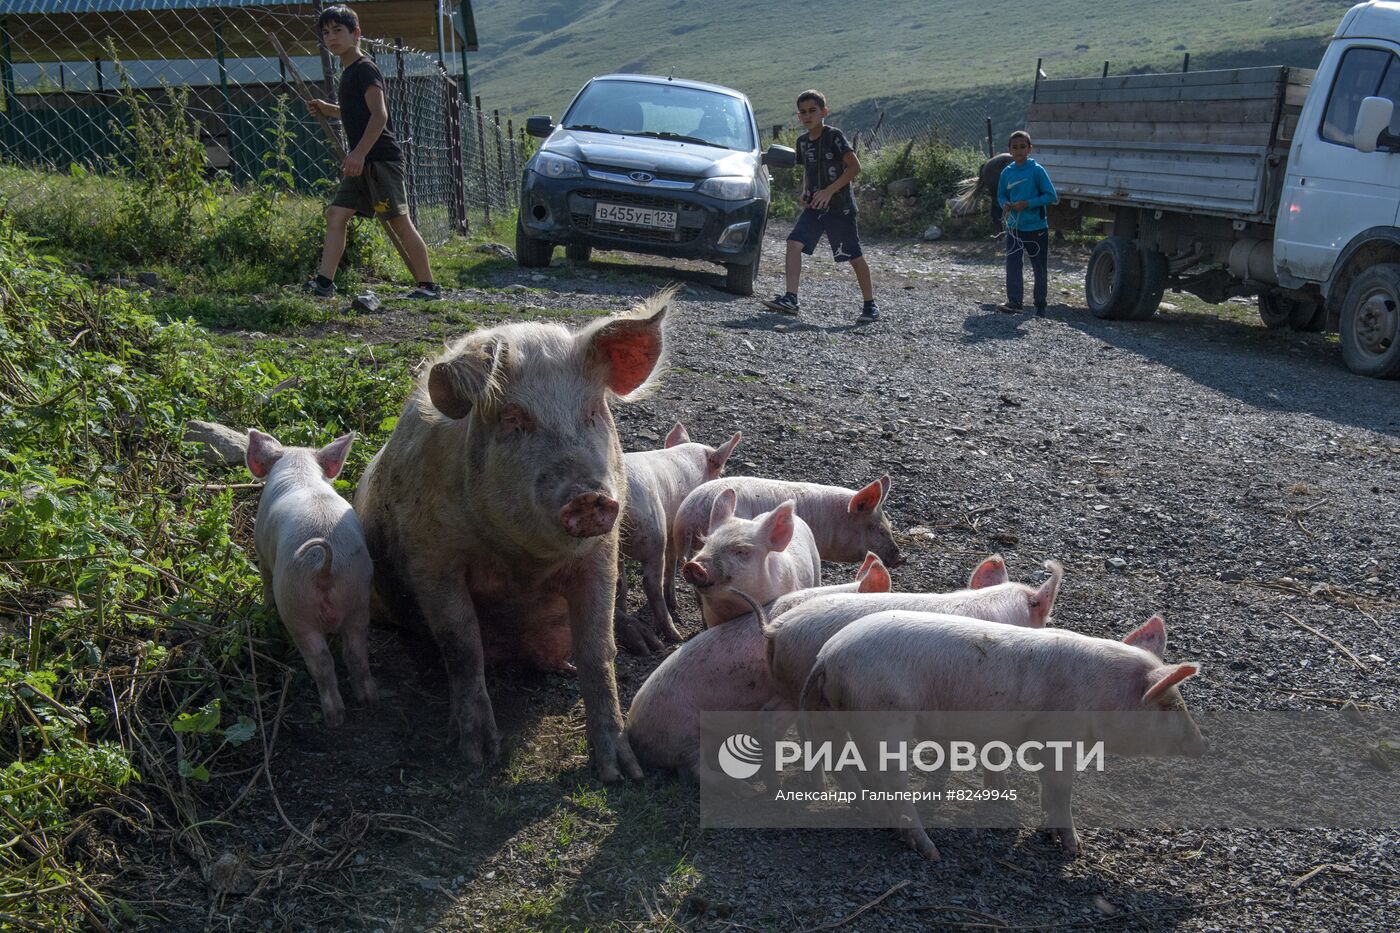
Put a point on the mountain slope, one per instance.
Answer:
(905, 55)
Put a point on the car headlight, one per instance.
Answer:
(556, 166)
(727, 187)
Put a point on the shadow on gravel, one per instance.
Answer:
(1276, 371)
(992, 324)
(769, 320)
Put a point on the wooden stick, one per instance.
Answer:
(331, 135)
(1325, 637)
(847, 919)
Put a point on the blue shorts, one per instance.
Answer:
(840, 229)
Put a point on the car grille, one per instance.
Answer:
(685, 233)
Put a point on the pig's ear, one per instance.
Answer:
(991, 572)
(263, 452)
(628, 349)
(876, 580)
(778, 527)
(865, 565)
(678, 435)
(868, 499)
(332, 456)
(471, 377)
(1042, 601)
(720, 457)
(1165, 678)
(722, 509)
(1150, 636)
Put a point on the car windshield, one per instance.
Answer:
(663, 111)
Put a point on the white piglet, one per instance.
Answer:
(846, 523)
(657, 483)
(795, 639)
(315, 567)
(765, 557)
(919, 661)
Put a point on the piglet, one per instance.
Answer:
(921, 661)
(765, 557)
(795, 639)
(721, 669)
(846, 523)
(315, 568)
(657, 482)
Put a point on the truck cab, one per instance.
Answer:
(1337, 219)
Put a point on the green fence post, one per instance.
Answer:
(223, 89)
(7, 72)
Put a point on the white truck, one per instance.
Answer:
(1277, 182)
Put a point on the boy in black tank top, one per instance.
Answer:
(373, 174)
(829, 207)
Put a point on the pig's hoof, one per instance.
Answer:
(333, 714)
(667, 630)
(478, 740)
(613, 758)
(1069, 840)
(919, 841)
(633, 636)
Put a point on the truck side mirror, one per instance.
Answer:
(1373, 124)
(543, 126)
(780, 157)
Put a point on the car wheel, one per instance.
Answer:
(1310, 317)
(739, 277)
(1370, 325)
(531, 253)
(578, 252)
(1113, 282)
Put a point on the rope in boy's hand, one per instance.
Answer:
(1014, 242)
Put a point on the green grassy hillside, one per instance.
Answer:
(909, 56)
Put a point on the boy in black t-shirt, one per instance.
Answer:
(373, 182)
(829, 166)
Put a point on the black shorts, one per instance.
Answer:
(840, 229)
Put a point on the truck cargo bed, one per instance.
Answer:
(1211, 142)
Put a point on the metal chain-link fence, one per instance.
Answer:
(960, 128)
(71, 72)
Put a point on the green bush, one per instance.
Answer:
(129, 608)
(937, 169)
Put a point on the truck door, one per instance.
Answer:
(1332, 192)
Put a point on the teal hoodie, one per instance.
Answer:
(1028, 183)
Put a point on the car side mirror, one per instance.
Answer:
(1373, 125)
(780, 157)
(539, 126)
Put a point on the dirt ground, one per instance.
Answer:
(1238, 480)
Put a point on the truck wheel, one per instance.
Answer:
(1154, 284)
(1113, 282)
(1370, 325)
(1310, 317)
(1275, 310)
(578, 253)
(531, 253)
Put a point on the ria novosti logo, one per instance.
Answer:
(741, 756)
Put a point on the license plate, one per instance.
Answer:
(635, 216)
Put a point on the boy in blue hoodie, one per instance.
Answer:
(1024, 191)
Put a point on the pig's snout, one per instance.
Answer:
(696, 575)
(891, 558)
(589, 516)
